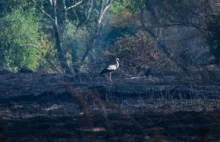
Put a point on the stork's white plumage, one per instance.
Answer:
(107, 71)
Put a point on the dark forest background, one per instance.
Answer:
(82, 36)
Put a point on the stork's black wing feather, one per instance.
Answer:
(106, 70)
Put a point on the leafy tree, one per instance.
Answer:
(74, 44)
(52, 11)
(95, 33)
(20, 39)
(118, 6)
(10, 5)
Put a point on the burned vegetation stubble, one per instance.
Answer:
(114, 118)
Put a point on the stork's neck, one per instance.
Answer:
(117, 64)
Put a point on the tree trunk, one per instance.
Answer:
(61, 56)
(103, 8)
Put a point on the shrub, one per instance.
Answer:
(20, 39)
(136, 53)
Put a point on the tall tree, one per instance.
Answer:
(53, 16)
(104, 6)
(19, 40)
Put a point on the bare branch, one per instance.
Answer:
(159, 43)
(44, 12)
(89, 11)
(64, 5)
(87, 17)
(68, 8)
(74, 5)
(103, 10)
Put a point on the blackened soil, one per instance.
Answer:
(61, 108)
(129, 121)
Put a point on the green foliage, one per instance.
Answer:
(48, 56)
(214, 37)
(27, 40)
(19, 40)
(10, 5)
(132, 6)
(74, 43)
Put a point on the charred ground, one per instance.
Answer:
(62, 107)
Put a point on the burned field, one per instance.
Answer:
(59, 107)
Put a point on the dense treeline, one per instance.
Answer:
(82, 35)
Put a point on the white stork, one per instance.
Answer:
(107, 71)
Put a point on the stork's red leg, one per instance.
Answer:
(110, 77)
(107, 77)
